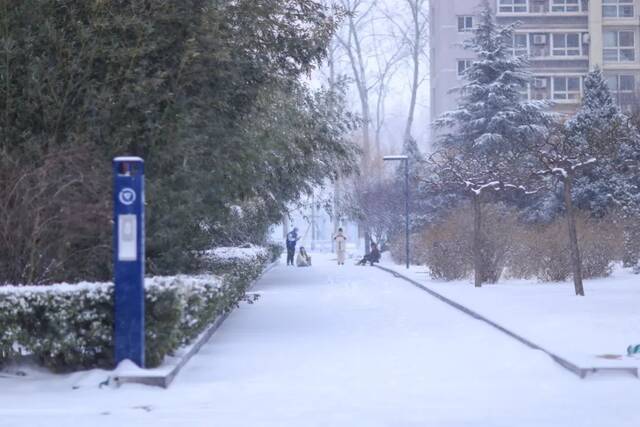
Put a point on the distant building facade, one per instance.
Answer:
(563, 39)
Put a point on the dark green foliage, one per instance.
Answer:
(208, 92)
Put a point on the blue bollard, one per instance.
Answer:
(128, 256)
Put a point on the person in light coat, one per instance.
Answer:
(341, 246)
(303, 259)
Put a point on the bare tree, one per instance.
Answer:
(377, 204)
(388, 55)
(53, 217)
(358, 12)
(564, 162)
(476, 178)
(411, 29)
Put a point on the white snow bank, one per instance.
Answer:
(580, 329)
(95, 286)
(232, 252)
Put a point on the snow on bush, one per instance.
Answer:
(68, 327)
(241, 260)
(234, 253)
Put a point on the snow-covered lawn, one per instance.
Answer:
(341, 346)
(580, 329)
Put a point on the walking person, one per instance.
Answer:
(292, 239)
(341, 246)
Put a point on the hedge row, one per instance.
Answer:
(69, 327)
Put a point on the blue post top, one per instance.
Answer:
(128, 166)
(128, 184)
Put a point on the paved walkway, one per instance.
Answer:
(349, 346)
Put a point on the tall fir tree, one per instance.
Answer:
(485, 143)
(600, 130)
(606, 134)
(590, 155)
(492, 117)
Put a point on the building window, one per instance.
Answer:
(465, 23)
(463, 64)
(540, 88)
(565, 6)
(566, 44)
(519, 45)
(619, 46)
(623, 88)
(617, 8)
(566, 88)
(512, 6)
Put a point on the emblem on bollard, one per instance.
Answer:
(127, 196)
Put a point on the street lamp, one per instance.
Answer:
(406, 199)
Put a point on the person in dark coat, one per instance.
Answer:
(371, 257)
(292, 239)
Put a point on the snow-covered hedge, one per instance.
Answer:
(67, 327)
(241, 262)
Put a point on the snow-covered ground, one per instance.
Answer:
(342, 346)
(580, 329)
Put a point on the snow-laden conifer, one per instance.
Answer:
(492, 115)
(485, 143)
(591, 155)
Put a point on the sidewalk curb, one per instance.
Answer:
(572, 367)
(165, 381)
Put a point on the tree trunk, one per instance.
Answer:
(313, 222)
(336, 215)
(285, 226)
(477, 242)
(359, 73)
(631, 242)
(576, 261)
(367, 242)
(415, 58)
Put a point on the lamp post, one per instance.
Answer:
(406, 199)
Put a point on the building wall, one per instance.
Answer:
(543, 29)
(446, 50)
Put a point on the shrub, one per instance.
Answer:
(542, 251)
(68, 327)
(276, 250)
(524, 251)
(601, 243)
(246, 262)
(446, 247)
(71, 326)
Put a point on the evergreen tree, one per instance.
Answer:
(209, 93)
(590, 155)
(492, 117)
(486, 142)
(600, 128)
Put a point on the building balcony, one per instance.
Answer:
(542, 7)
(556, 46)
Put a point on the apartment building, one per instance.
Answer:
(564, 39)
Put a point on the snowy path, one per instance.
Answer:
(349, 346)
